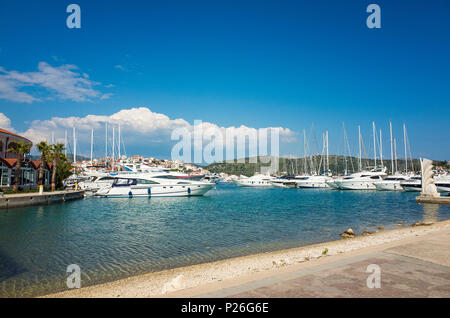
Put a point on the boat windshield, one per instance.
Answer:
(166, 177)
(105, 178)
(146, 181)
(118, 182)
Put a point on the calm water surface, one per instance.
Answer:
(116, 238)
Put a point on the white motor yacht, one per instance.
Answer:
(284, 182)
(96, 182)
(442, 183)
(309, 182)
(278, 183)
(361, 181)
(133, 186)
(259, 180)
(391, 183)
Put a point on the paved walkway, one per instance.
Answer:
(419, 268)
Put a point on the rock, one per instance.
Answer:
(350, 232)
(175, 284)
(422, 224)
(347, 235)
(366, 233)
(281, 262)
(380, 227)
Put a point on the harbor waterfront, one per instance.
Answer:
(35, 198)
(113, 238)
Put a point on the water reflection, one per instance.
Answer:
(9, 267)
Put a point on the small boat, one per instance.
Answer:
(128, 187)
(259, 180)
(311, 182)
(392, 183)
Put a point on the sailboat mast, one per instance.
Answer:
(381, 150)
(92, 143)
(304, 149)
(328, 162)
(119, 141)
(395, 154)
(374, 144)
(392, 151)
(106, 143)
(345, 150)
(74, 146)
(65, 143)
(359, 139)
(406, 155)
(113, 146)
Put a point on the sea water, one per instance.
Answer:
(111, 239)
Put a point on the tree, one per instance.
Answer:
(64, 170)
(55, 154)
(20, 149)
(44, 149)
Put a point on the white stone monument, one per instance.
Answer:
(428, 186)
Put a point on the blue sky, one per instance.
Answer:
(254, 63)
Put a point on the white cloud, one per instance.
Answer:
(139, 126)
(62, 81)
(5, 123)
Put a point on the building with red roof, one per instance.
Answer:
(30, 169)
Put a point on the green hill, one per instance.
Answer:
(297, 165)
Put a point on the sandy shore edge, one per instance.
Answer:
(188, 281)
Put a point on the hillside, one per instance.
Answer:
(297, 165)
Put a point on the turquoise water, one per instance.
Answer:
(116, 238)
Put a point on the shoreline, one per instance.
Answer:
(194, 280)
(28, 199)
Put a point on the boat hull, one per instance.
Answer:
(155, 191)
(442, 187)
(412, 188)
(255, 184)
(388, 186)
(311, 185)
(332, 185)
(356, 185)
(279, 185)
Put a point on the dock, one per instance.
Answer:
(435, 200)
(9, 201)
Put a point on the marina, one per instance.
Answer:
(256, 149)
(113, 238)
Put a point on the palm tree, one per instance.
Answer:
(20, 149)
(44, 149)
(54, 154)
